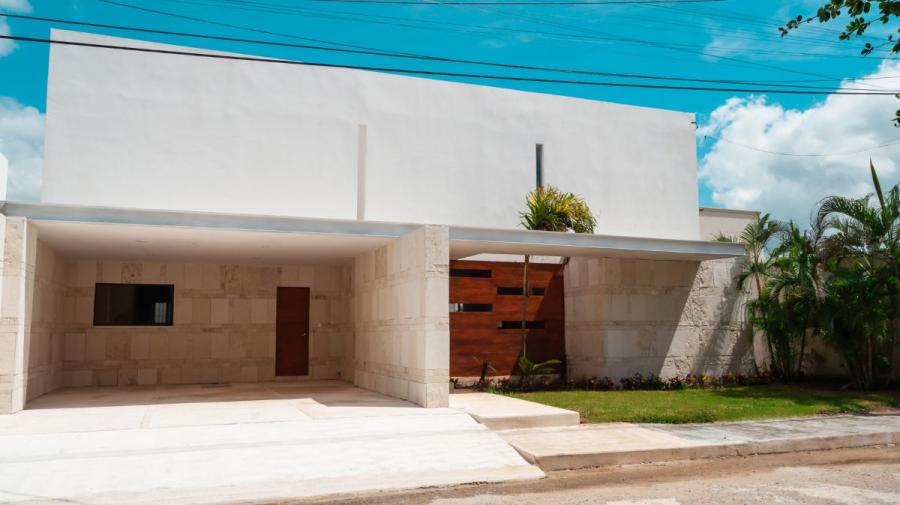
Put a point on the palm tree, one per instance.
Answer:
(794, 283)
(864, 249)
(549, 209)
(756, 239)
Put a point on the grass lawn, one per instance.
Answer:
(705, 405)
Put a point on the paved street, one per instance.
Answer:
(841, 477)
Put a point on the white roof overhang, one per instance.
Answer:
(105, 232)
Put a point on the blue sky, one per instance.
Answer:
(736, 40)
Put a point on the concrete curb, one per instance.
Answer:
(549, 462)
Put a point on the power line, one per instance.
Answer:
(817, 155)
(418, 57)
(271, 8)
(671, 47)
(523, 2)
(607, 37)
(441, 73)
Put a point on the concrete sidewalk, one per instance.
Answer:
(254, 442)
(588, 445)
(499, 412)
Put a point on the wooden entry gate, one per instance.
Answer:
(486, 316)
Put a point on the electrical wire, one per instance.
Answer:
(441, 73)
(817, 155)
(416, 56)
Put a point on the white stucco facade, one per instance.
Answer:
(228, 180)
(156, 131)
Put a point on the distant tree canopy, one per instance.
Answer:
(862, 16)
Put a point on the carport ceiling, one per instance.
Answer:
(158, 243)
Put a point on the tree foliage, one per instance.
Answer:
(862, 14)
(549, 209)
(839, 279)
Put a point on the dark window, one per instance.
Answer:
(539, 165)
(469, 272)
(471, 307)
(518, 291)
(133, 304)
(517, 325)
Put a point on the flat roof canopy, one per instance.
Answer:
(111, 233)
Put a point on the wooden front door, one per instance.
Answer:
(292, 332)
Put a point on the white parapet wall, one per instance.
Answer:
(662, 317)
(162, 131)
(400, 317)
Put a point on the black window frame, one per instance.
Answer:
(170, 298)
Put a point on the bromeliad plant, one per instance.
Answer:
(549, 209)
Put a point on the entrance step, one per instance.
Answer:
(499, 412)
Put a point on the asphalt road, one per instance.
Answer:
(869, 476)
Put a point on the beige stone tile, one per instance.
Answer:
(172, 273)
(193, 276)
(306, 276)
(106, 377)
(147, 376)
(132, 272)
(84, 310)
(231, 278)
(110, 271)
(74, 347)
(290, 276)
(219, 311)
(95, 347)
(170, 375)
(152, 272)
(183, 311)
(249, 374)
(199, 375)
(201, 346)
(85, 273)
(202, 310)
(219, 345)
(212, 277)
(82, 378)
(178, 346)
(259, 311)
(159, 347)
(128, 376)
(118, 347)
(140, 347)
(240, 311)
(266, 372)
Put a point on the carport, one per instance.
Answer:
(373, 299)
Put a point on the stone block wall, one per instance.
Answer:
(666, 317)
(223, 324)
(401, 321)
(48, 328)
(18, 243)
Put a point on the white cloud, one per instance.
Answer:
(7, 46)
(789, 186)
(22, 143)
(15, 5)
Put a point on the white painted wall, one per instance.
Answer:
(728, 222)
(185, 133)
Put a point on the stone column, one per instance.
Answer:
(18, 241)
(401, 320)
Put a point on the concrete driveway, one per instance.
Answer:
(226, 443)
